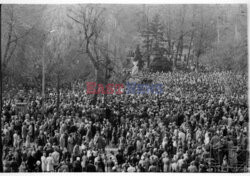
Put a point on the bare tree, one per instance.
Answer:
(91, 21)
(12, 34)
(192, 36)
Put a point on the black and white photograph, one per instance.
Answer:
(95, 87)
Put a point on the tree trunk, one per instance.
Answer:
(170, 45)
(176, 54)
(218, 32)
(189, 48)
(179, 54)
(147, 46)
(98, 81)
(8, 43)
(95, 63)
(58, 94)
(181, 46)
(200, 47)
(1, 98)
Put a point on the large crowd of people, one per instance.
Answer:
(198, 124)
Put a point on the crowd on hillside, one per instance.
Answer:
(199, 124)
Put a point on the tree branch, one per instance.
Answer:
(77, 21)
(22, 36)
(7, 45)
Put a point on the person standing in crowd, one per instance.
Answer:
(193, 126)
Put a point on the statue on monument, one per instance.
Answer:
(135, 68)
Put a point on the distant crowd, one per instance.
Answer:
(198, 124)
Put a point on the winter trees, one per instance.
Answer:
(86, 35)
(90, 19)
(138, 57)
(14, 31)
(153, 39)
(200, 34)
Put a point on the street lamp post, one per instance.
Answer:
(43, 73)
(43, 77)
